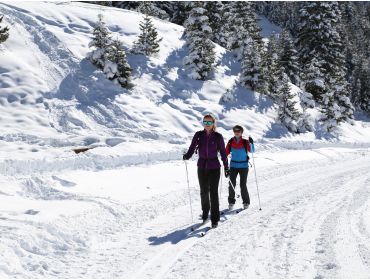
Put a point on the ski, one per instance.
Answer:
(203, 233)
(199, 225)
(235, 212)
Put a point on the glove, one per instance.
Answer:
(185, 157)
(227, 172)
(250, 140)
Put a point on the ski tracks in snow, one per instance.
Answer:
(312, 225)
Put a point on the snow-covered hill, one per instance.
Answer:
(121, 209)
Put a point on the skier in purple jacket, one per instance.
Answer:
(208, 142)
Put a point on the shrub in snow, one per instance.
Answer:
(227, 97)
(4, 31)
(100, 42)
(148, 41)
(116, 67)
(201, 59)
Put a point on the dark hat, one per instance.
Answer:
(238, 127)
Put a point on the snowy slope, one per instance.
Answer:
(122, 208)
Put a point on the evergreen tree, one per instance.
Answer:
(214, 12)
(152, 9)
(321, 50)
(148, 41)
(241, 24)
(201, 58)
(117, 67)
(271, 72)
(4, 31)
(288, 57)
(287, 112)
(100, 42)
(250, 68)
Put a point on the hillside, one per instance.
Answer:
(121, 210)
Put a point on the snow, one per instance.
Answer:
(121, 209)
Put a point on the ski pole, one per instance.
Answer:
(221, 182)
(187, 177)
(232, 185)
(255, 176)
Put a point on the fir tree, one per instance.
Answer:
(214, 12)
(201, 59)
(152, 9)
(288, 57)
(100, 42)
(287, 112)
(241, 24)
(148, 41)
(271, 72)
(116, 67)
(250, 68)
(4, 31)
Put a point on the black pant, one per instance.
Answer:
(208, 181)
(243, 172)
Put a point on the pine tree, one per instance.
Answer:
(288, 57)
(241, 24)
(321, 50)
(100, 42)
(117, 67)
(287, 112)
(250, 68)
(148, 41)
(4, 32)
(271, 72)
(214, 12)
(152, 9)
(201, 59)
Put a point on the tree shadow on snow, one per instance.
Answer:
(246, 98)
(94, 95)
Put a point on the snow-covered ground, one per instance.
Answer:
(133, 221)
(122, 208)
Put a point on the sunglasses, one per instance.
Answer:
(237, 131)
(207, 122)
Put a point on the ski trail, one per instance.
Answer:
(284, 240)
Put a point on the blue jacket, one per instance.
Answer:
(239, 156)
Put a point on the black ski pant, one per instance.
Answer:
(208, 181)
(243, 173)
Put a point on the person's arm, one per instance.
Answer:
(223, 153)
(192, 147)
(227, 149)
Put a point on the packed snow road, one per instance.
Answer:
(134, 221)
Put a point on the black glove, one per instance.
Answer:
(250, 140)
(185, 157)
(227, 172)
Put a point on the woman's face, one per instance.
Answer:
(208, 124)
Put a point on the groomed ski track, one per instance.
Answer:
(313, 223)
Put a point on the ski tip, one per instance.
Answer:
(202, 234)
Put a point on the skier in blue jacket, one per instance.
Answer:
(239, 148)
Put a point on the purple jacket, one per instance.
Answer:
(208, 146)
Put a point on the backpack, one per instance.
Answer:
(244, 144)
